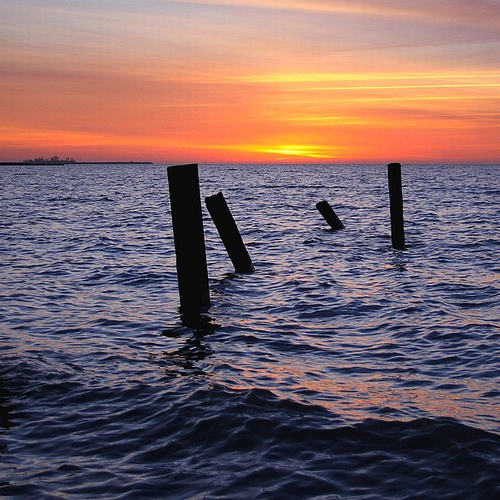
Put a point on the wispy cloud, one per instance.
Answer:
(455, 11)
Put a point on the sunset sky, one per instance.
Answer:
(251, 80)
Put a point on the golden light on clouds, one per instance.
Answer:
(290, 151)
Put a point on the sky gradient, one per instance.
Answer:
(251, 80)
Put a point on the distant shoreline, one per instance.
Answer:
(27, 163)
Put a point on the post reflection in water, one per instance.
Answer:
(192, 346)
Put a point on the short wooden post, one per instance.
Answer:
(191, 260)
(330, 216)
(396, 206)
(228, 231)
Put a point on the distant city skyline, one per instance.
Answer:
(251, 80)
(50, 159)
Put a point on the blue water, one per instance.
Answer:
(340, 369)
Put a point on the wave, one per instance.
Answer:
(217, 443)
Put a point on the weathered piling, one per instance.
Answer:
(329, 215)
(396, 206)
(191, 260)
(228, 231)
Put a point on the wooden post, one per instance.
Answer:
(191, 260)
(330, 216)
(396, 202)
(228, 231)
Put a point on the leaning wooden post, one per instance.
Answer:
(396, 202)
(228, 231)
(329, 215)
(191, 260)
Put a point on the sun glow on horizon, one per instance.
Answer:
(302, 151)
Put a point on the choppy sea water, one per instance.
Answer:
(340, 369)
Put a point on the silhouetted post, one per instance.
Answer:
(396, 201)
(330, 216)
(191, 260)
(228, 231)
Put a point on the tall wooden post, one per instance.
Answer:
(228, 231)
(329, 215)
(191, 260)
(396, 206)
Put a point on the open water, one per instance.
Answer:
(340, 369)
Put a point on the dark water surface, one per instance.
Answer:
(340, 369)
